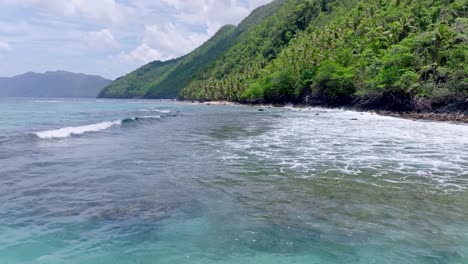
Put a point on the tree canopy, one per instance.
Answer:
(334, 48)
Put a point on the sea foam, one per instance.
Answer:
(319, 144)
(69, 131)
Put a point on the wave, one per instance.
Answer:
(70, 131)
(163, 111)
(354, 145)
(151, 117)
(47, 101)
(135, 119)
(78, 130)
(3, 139)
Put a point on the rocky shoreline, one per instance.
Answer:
(445, 117)
(444, 109)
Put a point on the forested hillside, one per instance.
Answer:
(136, 84)
(166, 79)
(333, 49)
(228, 77)
(414, 48)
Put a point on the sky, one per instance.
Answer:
(107, 37)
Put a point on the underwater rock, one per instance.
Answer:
(147, 210)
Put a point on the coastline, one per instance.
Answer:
(429, 116)
(448, 109)
(443, 109)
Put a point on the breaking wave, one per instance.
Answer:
(47, 102)
(78, 130)
(153, 109)
(348, 144)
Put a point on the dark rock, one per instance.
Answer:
(128, 120)
(403, 105)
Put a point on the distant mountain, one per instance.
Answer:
(52, 84)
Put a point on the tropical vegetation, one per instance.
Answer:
(335, 49)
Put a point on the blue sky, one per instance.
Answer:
(107, 37)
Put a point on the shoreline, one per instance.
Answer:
(455, 117)
(444, 110)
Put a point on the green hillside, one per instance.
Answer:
(136, 84)
(352, 47)
(294, 50)
(189, 66)
(226, 78)
(167, 79)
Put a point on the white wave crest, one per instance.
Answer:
(50, 102)
(163, 111)
(69, 131)
(151, 117)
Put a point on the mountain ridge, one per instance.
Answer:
(404, 55)
(52, 84)
(166, 79)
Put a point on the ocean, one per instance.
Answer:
(146, 181)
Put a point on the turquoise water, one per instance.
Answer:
(115, 181)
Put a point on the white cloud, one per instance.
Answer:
(141, 55)
(4, 47)
(172, 40)
(176, 38)
(100, 39)
(133, 31)
(106, 11)
(213, 13)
